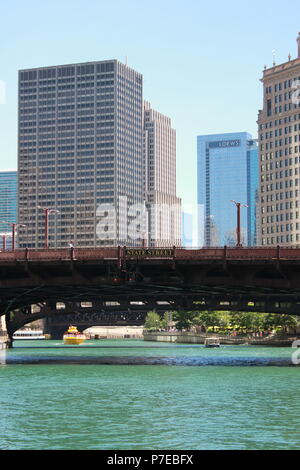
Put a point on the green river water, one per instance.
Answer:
(130, 394)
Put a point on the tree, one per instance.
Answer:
(245, 322)
(167, 320)
(209, 319)
(275, 321)
(184, 319)
(153, 321)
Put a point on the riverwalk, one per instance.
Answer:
(187, 337)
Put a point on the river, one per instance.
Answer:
(130, 394)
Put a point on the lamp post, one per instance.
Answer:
(47, 211)
(238, 224)
(13, 232)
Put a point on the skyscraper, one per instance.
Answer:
(8, 203)
(81, 154)
(279, 155)
(227, 172)
(163, 206)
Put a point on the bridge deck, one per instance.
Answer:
(219, 253)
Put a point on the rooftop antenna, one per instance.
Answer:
(274, 53)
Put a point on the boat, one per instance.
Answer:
(28, 334)
(212, 342)
(73, 336)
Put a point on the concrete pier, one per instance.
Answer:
(3, 334)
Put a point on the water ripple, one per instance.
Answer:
(141, 360)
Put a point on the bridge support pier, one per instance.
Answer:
(9, 330)
(9, 343)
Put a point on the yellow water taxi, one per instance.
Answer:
(73, 336)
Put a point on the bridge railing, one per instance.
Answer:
(236, 253)
(95, 253)
(218, 253)
(59, 254)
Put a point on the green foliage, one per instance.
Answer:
(210, 319)
(221, 321)
(242, 322)
(166, 320)
(153, 321)
(279, 322)
(184, 319)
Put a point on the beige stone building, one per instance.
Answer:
(163, 227)
(278, 211)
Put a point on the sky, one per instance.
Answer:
(201, 61)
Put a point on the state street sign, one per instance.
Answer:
(150, 253)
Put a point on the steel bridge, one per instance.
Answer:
(105, 286)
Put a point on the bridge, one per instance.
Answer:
(120, 285)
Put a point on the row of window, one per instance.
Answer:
(283, 85)
(275, 207)
(67, 71)
(279, 143)
(279, 122)
(289, 238)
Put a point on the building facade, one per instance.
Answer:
(227, 169)
(80, 154)
(163, 226)
(8, 205)
(279, 155)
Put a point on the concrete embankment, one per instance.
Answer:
(3, 342)
(196, 338)
(185, 337)
(3, 334)
(114, 332)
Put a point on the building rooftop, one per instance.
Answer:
(281, 67)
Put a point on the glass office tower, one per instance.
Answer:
(8, 203)
(80, 154)
(227, 170)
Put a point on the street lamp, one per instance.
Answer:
(13, 232)
(47, 211)
(238, 225)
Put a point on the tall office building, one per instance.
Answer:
(227, 171)
(163, 206)
(81, 154)
(8, 204)
(279, 155)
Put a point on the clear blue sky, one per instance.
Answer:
(201, 61)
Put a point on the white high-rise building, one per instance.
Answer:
(164, 207)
